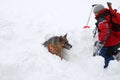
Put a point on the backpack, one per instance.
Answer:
(114, 18)
(115, 21)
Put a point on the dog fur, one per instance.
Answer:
(56, 45)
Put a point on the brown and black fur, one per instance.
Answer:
(58, 43)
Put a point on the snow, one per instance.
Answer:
(26, 24)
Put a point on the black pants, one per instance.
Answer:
(112, 50)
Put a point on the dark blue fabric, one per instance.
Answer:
(106, 58)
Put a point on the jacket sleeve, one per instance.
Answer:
(104, 30)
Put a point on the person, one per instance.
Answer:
(108, 42)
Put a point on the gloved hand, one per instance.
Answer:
(98, 43)
(97, 47)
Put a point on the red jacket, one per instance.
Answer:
(104, 27)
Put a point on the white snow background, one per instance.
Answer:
(26, 24)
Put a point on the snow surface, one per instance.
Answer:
(26, 24)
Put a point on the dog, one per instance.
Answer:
(56, 45)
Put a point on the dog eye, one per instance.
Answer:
(66, 42)
(60, 40)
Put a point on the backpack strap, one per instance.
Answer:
(96, 28)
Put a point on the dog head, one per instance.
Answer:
(63, 40)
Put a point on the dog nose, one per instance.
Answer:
(70, 46)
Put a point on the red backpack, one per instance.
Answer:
(114, 18)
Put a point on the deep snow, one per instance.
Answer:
(26, 24)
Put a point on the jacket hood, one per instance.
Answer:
(101, 13)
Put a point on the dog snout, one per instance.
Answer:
(70, 46)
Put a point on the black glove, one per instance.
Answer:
(97, 47)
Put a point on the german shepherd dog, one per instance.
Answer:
(56, 45)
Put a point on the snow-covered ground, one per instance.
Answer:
(26, 24)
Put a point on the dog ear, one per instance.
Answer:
(65, 35)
